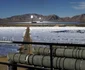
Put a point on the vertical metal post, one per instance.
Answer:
(51, 57)
(12, 67)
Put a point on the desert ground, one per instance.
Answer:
(4, 67)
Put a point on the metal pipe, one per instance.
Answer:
(14, 67)
(55, 62)
(51, 57)
(44, 43)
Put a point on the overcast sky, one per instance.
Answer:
(62, 8)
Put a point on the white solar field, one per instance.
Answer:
(45, 34)
(58, 34)
(40, 34)
(12, 33)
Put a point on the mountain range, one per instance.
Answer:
(53, 17)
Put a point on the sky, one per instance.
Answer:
(62, 8)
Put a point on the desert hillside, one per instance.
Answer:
(53, 17)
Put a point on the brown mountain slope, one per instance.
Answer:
(26, 18)
(79, 18)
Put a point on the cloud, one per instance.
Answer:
(78, 5)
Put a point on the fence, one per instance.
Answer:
(13, 66)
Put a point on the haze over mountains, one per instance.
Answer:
(26, 18)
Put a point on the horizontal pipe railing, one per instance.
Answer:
(44, 43)
(22, 66)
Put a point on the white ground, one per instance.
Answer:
(50, 34)
(45, 34)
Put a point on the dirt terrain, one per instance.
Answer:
(4, 67)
